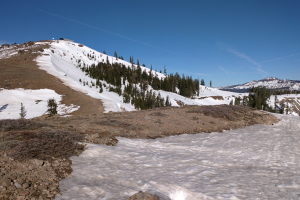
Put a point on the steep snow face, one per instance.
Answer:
(257, 162)
(34, 101)
(270, 83)
(62, 60)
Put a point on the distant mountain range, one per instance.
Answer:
(270, 83)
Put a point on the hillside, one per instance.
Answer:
(64, 58)
(19, 71)
(69, 62)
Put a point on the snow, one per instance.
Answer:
(62, 60)
(270, 83)
(34, 101)
(293, 104)
(257, 162)
(11, 50)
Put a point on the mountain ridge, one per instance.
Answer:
(269, 82)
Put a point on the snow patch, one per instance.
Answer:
(34, 101)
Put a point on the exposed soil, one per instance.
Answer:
(165, 121)
(21, 71)
(34, 159)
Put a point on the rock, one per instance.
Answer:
(38, 162)
(26, 185)
(5, 182)
(101, 138)
(143, 196)
(17, 185)
(3, 188)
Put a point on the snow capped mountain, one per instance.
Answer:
(270, 83)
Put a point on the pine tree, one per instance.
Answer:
(210, 83)
(202, 82)
(22, 111)
(165, 70)
(168, 103)
(116, 55)
(52, 107)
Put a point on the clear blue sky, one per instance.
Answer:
(225, 41)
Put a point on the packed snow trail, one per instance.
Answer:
(257, 162)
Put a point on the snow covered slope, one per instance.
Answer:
(270, 83)
(34, 101)
(63, 58)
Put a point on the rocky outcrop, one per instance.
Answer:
(143, 196)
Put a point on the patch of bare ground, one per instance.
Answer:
(34, 158)
(21, 71)
(165, 121)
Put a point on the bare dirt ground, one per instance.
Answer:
(164, 121)
(35, 153)
(21, 71)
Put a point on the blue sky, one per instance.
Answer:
(225, 41)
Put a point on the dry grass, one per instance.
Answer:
(8, 125)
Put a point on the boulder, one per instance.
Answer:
(143, 196)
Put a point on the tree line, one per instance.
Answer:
(258, 98)
(137, 85)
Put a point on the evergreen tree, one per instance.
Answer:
(22, 111)
(237, 101)
(202, 82)
(116, 55)
(165, 70)
(52, 107)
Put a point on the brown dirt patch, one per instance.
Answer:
(34, 161)
(166, 121)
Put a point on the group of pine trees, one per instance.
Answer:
(258, 98)
(139, 84)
